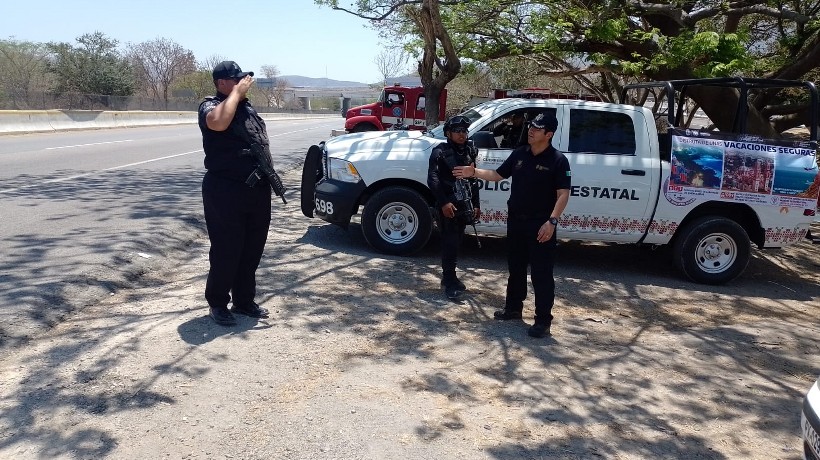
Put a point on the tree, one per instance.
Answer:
(22, 71)
(474, 81)
(439, 60)
(158, 64)
(390, 62)
(94, 67)
(200, 82)
(274, 92)
(604, 44)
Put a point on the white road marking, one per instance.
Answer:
(78, 176)
(87, 145)
(297, 131)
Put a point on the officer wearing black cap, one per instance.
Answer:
(452, 220)
(541, 181)
(237, 215)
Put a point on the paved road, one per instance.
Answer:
(86, 213)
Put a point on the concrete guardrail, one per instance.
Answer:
(34, 121)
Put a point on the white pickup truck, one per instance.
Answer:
(708, 194)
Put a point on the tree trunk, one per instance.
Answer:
(720, 105)
(428, 20)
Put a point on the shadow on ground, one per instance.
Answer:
(589, 383)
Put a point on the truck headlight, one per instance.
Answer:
(342, 170)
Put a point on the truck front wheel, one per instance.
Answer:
(363, 127)
(397, 220)
(311, 173)
(712, 250)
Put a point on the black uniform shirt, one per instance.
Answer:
(440, 177)
(223, 148)
(535, 180)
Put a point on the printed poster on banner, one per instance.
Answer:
(743, 169)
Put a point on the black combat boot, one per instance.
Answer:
(539, 330)
(453, 288)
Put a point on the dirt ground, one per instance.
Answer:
(364, 358)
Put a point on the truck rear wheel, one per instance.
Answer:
(397, 220)
(712, 250)
(311, 173)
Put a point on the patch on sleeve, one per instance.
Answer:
(569, 173)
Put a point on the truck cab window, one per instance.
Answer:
(608, 133)
(394, 99)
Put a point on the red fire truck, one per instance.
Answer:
(396, 105)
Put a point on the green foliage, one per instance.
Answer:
(22, 72)
(94, 66)
(622, 39)
(200, 83)
(608, 30)
(710, 54)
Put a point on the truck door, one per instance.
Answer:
(395, 108)
(613, 172)
(419, 116)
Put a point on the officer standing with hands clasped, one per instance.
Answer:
(452, 213)
(541, 180)
(237, 209)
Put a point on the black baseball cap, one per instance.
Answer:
(545, 121)
(229, 69)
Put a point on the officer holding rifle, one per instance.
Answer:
(457, 204)
(236, 193)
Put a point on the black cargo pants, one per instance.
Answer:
(452, 232)
(237, 218)
(523, 250)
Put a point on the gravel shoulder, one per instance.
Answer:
(364, 358)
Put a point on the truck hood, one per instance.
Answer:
(379, 154)
(358, 110)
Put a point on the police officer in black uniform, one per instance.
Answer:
(452, 213)
(237, 215)
(541, 181)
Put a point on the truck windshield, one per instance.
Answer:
(471, 114)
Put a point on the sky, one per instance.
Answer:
(297, 36)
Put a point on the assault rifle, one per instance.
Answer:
(462, 188)
(264, 168)
(464, 197)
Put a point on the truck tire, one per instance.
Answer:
(311, 174)
(397, 220)
(712, 250)
(363, 127)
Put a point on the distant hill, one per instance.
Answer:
(308, 82)
(405, 80)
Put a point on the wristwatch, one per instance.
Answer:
(553, 221)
